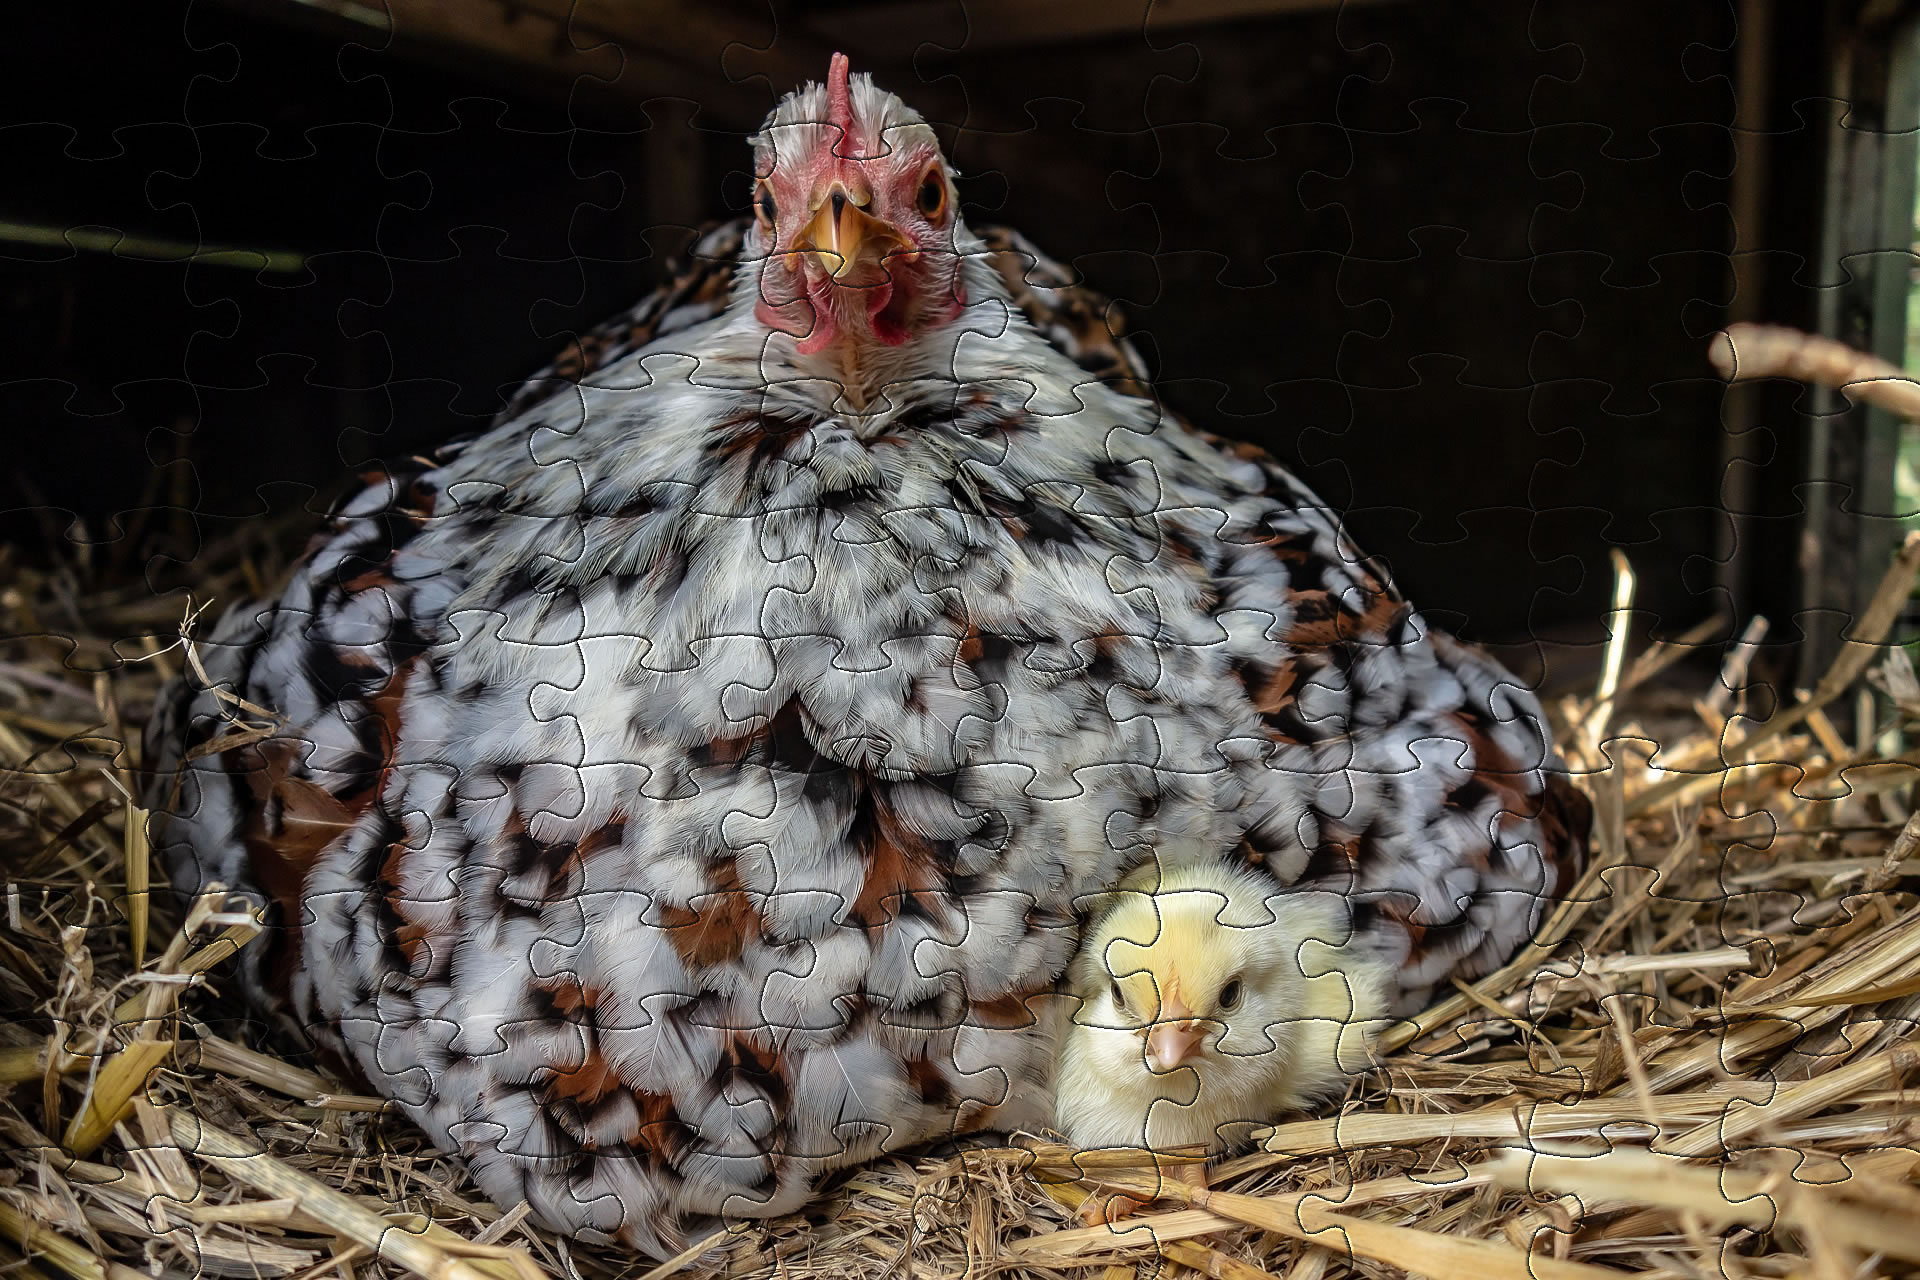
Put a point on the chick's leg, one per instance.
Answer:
(1108, 1208)
(1193, 1175)
(1103, 1208)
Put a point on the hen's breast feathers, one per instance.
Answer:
(687, 797)
(1075, 320)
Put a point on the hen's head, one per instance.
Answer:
(855, 221)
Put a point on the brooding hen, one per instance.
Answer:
(688, 787)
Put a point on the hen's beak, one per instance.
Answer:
(842, 236)
(1175, 1040)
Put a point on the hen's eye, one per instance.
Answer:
(763, 206)
(1119, 996)
(933, 194)
(1230, 994)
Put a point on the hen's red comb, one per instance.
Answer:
(840, 102)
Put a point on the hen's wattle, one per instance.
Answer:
(691, 783)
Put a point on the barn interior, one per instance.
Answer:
(1458, 263)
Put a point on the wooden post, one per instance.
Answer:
(1865, 259)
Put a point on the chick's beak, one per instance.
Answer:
(1175, 1040)
(842, 236)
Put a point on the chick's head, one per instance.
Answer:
(1262, 994)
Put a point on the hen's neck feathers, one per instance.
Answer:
(989, 339)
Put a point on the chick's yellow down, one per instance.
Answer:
(1211, 1001)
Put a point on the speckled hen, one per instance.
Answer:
(691, 785)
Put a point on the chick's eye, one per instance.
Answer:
(763, 206)
(1119, 996)
(1230, 995)
(933, 194)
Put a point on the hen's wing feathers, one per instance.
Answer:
(325, 660)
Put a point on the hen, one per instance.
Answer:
(689, 786)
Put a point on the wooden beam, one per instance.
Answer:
(736, 58)
(884, 31)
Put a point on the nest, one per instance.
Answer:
(1698, 1068)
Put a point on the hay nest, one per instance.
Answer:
(1698, 1069)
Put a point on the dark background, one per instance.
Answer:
(1457, 261)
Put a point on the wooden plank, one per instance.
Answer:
(1863, 275)
(884, 31)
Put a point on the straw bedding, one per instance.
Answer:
(1700, 1069)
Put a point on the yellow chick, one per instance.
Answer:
(1211, 1002)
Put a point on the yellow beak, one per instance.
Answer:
(842, 236)
(1171, 1043)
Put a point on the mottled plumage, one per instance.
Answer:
(690, 785)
